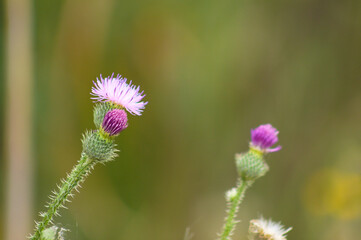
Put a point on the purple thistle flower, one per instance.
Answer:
(118, 91)
(263, 137)
(115, 121)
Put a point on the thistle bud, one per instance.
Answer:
(115, 121)
(98, 148)
(251, 165)
(261, 229)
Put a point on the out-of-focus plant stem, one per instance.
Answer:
(233, 209)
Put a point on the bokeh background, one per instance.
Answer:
(212, 70)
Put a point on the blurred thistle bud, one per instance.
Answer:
(100, 110)
(263, 138)
(261, 229)
(114, 122)
(231, 194)
(98, 148)
(251, 165)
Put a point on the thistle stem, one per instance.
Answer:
(233, 209)
(73, 180)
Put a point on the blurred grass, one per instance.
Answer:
(211, 71)
(2, 104)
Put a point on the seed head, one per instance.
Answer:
(267, 230)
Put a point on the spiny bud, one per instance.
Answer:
(115, 121)
(261, 229)
(98, 148)
(251, 165)
(100, 110)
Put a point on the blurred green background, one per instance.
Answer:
(211, 70)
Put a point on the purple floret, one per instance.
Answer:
(115, 121)
(264, 137)
(118, 91)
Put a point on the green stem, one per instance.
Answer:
(73, 180)
(233, 209)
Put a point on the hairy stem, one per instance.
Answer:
(73, 180)
(233, 209)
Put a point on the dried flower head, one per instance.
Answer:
(115, 121)
(118, 91)
(264, 137)
(267, 230)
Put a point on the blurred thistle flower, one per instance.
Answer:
(263, 137)
(261, 229)
(115, 121)
(116, 90)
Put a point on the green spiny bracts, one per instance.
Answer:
(100, 109)
(63, 194)
(99, 146)
(251, 165)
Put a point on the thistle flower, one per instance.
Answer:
(263, 137)
(261, 229)
(115, 121)
(116, 90)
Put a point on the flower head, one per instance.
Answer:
(263, 137)
(118, 91)
(268, 230)
(115, 121)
